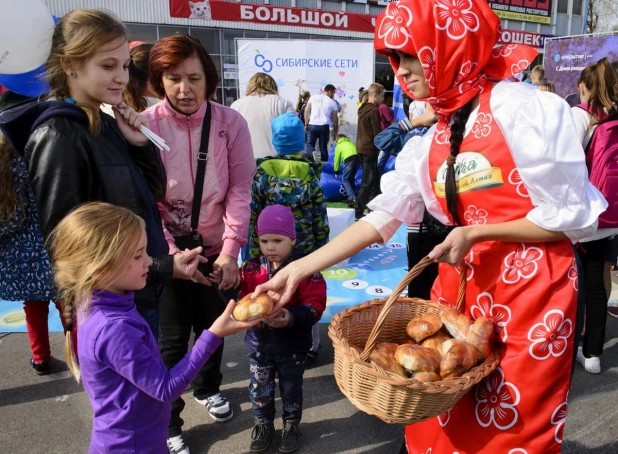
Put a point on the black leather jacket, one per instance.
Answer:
(68, 166)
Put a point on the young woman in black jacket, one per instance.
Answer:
(75, 153)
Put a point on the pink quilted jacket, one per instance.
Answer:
(224, 216)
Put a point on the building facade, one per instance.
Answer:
(218, 23)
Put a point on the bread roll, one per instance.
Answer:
(459, 359)
(482, 336)
(427, 377)
(423, 326)
(415, 358)
(384, 356)
(406, 340)
(436, 341)
(446, 346)
(458, 325)
(247, 308)
(387, 347)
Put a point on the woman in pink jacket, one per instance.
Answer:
(182, 72)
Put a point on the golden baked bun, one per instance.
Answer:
(482, 336)
(415, 358)
(436, 341)
(423, 326)
(427, 377)
(458, 360)
(446, 345)
(247, 308)
(387, 347)
(458, 325)
(384, 356)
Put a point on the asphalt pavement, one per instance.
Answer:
(51, 414)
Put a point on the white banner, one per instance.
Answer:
(311, 65)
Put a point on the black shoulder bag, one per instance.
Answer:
(194, 239)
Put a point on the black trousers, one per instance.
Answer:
(370, 184)
(593, 259)
(419, 245)
(188, 307)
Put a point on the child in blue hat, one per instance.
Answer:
(291, 180)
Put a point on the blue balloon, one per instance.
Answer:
(31, 83)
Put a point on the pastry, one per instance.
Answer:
(482, 336)
(458, 360)
(457, 324)
(423, 326)
(436, 340)
(415, 358)
(247, 308)
(383, 356)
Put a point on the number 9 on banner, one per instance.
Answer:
(356, 284)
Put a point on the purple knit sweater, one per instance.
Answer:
(129, 387)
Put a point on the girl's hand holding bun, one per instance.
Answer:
(248, 308)
(225, 325)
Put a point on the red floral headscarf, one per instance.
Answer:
(454, 41)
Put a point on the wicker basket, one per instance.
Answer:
(391, 398)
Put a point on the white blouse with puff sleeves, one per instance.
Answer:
(538, 128)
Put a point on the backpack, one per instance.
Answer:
(602, 163)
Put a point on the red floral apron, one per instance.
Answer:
(529, 290)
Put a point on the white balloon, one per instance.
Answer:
(26, 29)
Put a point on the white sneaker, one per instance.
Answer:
(592, 364)
(218, 407)
(176, 445)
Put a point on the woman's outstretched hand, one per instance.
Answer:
(281, 287)
(454, 247)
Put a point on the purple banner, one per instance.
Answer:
(566, 58)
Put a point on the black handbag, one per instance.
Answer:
(194, 239)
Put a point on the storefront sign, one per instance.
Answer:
(265, 14)
(523, 10)
(518, 37)
(230, 71)
(299, 65)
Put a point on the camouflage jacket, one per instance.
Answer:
(294, 182)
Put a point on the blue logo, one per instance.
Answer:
(262, 63)
(557, 57)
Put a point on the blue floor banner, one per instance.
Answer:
(372, 273)
(13, 317)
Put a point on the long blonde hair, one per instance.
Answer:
(89, 248)
(77, 37)
(262, 84)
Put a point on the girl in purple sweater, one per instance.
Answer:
(99, 252)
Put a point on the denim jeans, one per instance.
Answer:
(383, 158)
(263, 369)
(350, 166)
(321, 133)
(370, 184)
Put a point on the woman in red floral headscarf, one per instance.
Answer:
(504, 165)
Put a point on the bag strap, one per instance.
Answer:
(202, 158)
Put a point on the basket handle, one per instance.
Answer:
(414, 272)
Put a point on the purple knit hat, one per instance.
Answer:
(278, 220)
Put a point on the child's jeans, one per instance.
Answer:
(350, 166)
(263, 369)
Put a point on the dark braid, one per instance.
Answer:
(460, 117)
